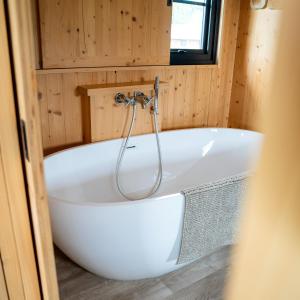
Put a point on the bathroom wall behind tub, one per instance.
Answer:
(198, 96)
(256, 49)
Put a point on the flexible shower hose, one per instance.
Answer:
(158, 180)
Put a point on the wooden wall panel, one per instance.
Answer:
(198, 96)
(90, 33)
(256, 49)
(186, 104)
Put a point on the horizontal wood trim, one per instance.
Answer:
(112, 69)
(119, 62)
(96, 89)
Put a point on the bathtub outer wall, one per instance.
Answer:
(128, 240)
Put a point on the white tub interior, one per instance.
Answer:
(190, 157)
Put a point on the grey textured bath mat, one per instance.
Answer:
(211, 215)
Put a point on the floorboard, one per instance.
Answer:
(201, 280)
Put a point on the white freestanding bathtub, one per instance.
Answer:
(120, 239)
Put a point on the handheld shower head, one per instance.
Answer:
(156, 91)
(156, 85)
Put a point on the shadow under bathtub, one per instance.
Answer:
(203, 279)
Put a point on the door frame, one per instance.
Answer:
(27, 128)
(18, 268)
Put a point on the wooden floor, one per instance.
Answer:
(202, 280)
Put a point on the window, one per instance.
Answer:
(194, 32)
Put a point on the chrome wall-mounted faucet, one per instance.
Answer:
(140, 97)
(122, 99)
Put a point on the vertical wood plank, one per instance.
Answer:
(124, 33)
(221, 89)
(168, 115)
(141, 12)
(71, 105)
(57, 128)
(202, 96)
(36, 32)
(87, 38)
(189, 98)
(44, 111)
(180, 77)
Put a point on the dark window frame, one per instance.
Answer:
(210, 38)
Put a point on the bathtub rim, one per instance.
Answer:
(142, 201)
(161, 132)
(115, 203)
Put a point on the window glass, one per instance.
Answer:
(187, 26)
(194, 31)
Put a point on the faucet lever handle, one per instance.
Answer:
(120, 98)
(147, 101)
